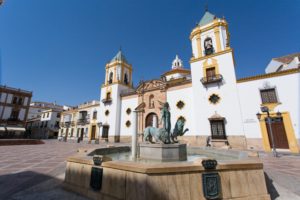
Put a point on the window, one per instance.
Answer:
(180, 104)
(58, 115)
(72, 132)
(214, 99)
(128, 123)
(128, 111)
(106, 113)
(14, 114)
(48, 115)
(15, 100)
(217, 129)
(126, 79)
(46, 124)
(95, 115)
(20, 101)
(110, 80)
(268, 96)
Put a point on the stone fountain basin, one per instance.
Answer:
(240, 179)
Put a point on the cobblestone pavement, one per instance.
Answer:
(284, 173)
(37, 171)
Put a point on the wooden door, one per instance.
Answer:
(81, 134)
(105, 131)
(210, 73)
(93, 134)
(279, 134)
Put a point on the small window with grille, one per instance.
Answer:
(217, 129)
(268, 96)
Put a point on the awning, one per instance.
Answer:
(2, 128)
(15, 129)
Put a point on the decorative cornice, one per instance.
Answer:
(199, 30)
(212, 55)
(175, 71)
(270, 75)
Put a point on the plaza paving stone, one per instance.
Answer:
(37, 171)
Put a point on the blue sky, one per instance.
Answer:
(58, 49)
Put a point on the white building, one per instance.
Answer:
(80, 123)
(45, 126)
(37, 107)
(208, 96)
(14, 106)
(291, 61)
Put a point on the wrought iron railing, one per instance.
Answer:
(212, 79)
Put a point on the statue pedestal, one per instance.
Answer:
(163, 152)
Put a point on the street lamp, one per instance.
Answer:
(265, 109)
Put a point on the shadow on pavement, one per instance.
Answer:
(270, 187)
(31, 185)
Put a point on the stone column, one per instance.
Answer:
(134, 135)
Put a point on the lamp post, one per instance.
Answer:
(265, 109)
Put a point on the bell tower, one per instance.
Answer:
(118, 71)
(118, 78)
(210, 36)
(214, 84)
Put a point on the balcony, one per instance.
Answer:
(82, 121)
(217, 78)
(106, 100)
(67, 124)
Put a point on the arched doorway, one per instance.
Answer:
(151, 120)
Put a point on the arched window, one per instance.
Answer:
(110, 80)
(208, 46)
(126, 79)
(151, 101)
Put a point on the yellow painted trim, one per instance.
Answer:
(210, 56)
(199, 30)
(199, 46)
(269, 75)
(292, 141)
(175, 71)
(218, 40)
(271, 106)
(214, 64)
(109, 65)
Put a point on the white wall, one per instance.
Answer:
(3, 97)
(131, 103)
(184, 95)
(287, 88)
(9, 98)
(7, 112)
(22, 114)
(228, 106)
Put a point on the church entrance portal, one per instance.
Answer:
(151, 120)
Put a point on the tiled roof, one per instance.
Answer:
(288, 58)
(119, 57)
(207, 18)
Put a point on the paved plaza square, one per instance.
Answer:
(37, 171)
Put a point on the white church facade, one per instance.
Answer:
(213, 102)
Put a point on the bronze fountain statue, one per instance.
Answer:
(164, 135)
